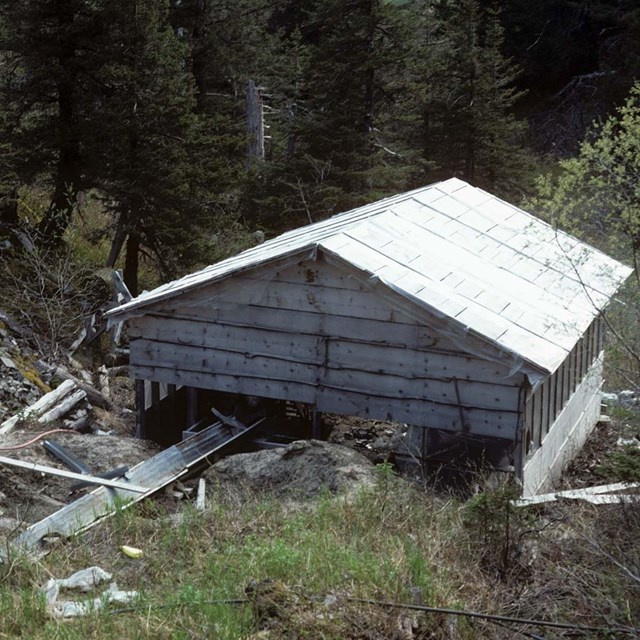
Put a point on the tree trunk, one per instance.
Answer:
(255, 123)
(117, 243)
(58, 216)
(369, 89)
(9, 209)
(199, 54)
(131, 263)
(60, 211)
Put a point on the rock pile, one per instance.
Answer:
(302, 470)
(20, 383)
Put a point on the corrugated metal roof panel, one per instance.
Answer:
(452, 249)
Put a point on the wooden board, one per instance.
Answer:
(391, 377)
(216, 335)
(337, 399)
(215, 321)
(351, 340)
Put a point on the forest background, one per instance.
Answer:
(125, 142)
(124, 135)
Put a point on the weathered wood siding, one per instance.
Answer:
(312, 333)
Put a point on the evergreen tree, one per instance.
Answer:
(349, 88)
(153, 157)
(229, 43)
(334, 147)
(469, 128)
(46, 82)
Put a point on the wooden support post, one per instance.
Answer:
(153, 413)
(316, 425)
(520, 448)
(527, 429)
(155, 395)
(171, 402)
(141, 427)
(192, 406)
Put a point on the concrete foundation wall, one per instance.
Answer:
(567, 434)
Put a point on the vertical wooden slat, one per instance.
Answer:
(155, 395)
(572, 370)
(528, 421)
(519, 451)
(544, 429)
(316, 425)
(552, 399)
(171, 404)
(141, 427)
(192, 406)
(537, 418)
(557, 384)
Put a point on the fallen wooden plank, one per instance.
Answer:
(63, 473)
(95, 397)
(587, 494)
(615, 498)
(156, 473)
(44, 404)
(200, 497)
(63, 407)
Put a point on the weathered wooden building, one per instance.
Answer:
(444, 308)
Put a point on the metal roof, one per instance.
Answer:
(456, 250)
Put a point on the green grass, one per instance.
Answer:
(375, 546)
(390, 542)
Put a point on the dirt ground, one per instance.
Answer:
(26, 496)
(589, 468)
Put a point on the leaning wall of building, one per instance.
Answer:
(310, 332)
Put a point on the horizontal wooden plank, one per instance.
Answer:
(214, 335)
(243, 385)
(294, 297)
(422, 413)
(404, 333)
(172, 356)
(315, 273)
(388, 379)
(472, 394)
(338, 399)
(355, 352)
(411, 362)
